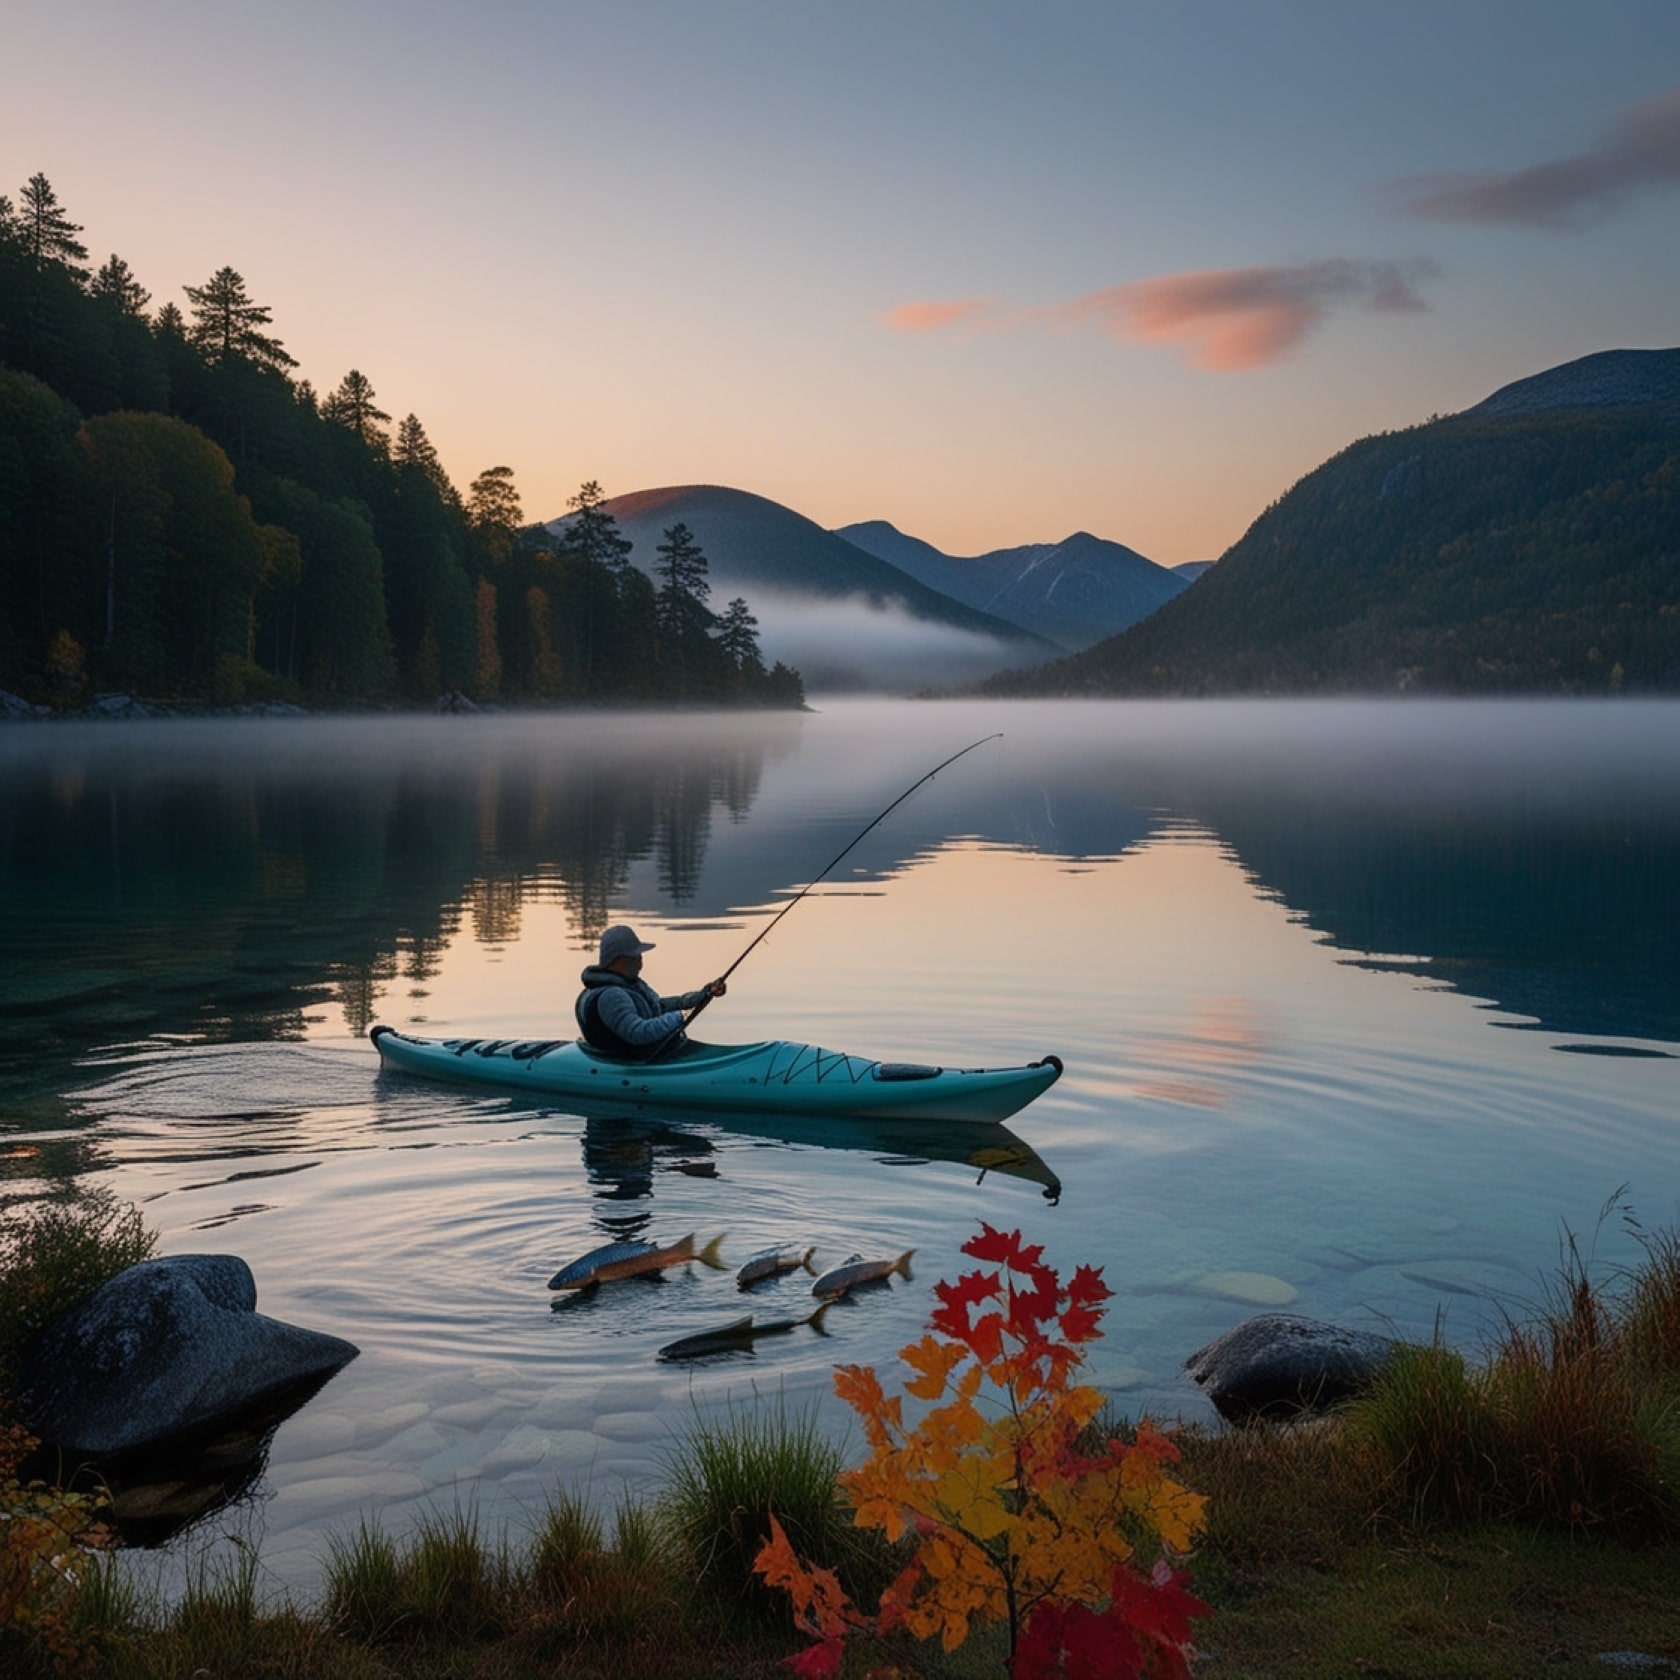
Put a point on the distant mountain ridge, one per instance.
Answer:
(1606, 379)
(843, 617)
(1074, 592)
(1530, 544)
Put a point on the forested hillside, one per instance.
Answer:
(1530, 549)
(181, 514)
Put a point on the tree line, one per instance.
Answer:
(182, 514)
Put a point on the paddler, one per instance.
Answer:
(618, 1012)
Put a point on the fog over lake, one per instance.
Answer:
(1359, 1003)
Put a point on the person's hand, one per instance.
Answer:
(716, 988)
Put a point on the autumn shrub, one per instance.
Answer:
(46, 1536)
(1010, 1513)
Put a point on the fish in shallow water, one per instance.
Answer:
(629, 1259)
(857, 1270)
(771, 1262)
(729, 1338)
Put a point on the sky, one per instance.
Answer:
(995, 273)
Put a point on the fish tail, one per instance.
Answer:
(902, 1264)
(712, 1254)
(816, 1318)
(805, 1260)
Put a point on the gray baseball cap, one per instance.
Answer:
(621, 941)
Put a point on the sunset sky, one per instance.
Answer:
(993, 272)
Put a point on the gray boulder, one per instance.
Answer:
(167, 1346)
(1279, 1364)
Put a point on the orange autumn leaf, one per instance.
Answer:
(933, 1361)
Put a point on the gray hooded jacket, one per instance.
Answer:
(627, 1017)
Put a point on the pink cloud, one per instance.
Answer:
(1241, 318)
(929, 317)
(1641, 150)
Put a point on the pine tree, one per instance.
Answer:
(46, 233)
(414, 450)
(680, 605)
(738, 638)
(352, 406)
(592, 533)
(115, 284)
(494, 513)
(226, 323)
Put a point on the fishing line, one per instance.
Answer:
(769, 927)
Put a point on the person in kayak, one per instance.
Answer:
(618, 1012)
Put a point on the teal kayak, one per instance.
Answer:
(775, 1076)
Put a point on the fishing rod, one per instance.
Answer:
(769, 927)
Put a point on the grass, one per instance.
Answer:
(1571, 1421)
(725, 1479)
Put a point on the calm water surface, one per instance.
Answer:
(1359, 1003)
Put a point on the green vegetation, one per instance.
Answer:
(54, 1254)
(1532, 553)
(724, 1483)
(180, 515)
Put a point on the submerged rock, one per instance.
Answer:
(1279, 1364)
(1250, 1289)
(167, 1346)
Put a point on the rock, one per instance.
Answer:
(14, 708)
(1249, 1289)
(1277, 1364)
(167, 1346)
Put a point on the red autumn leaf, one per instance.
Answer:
(1004, 1247)
(1036, 1298)
(1079, 1324)
(969, 1290)
(818, 1662)
(1077, 1643)
(1086, 1287)
(1159, 1608)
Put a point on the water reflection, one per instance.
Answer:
(255, 880)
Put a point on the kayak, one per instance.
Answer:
(774, 1076)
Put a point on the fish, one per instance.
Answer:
(629, 1258)
(742, 1333)
(771, 1262)
(857, 1270)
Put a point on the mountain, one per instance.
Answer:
(1530, 544)
(844, 618)
(1074, 592)
(1190, 570)
(1608, 379)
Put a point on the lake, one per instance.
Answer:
(1361, 1005)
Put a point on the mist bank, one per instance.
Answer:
(862, 645)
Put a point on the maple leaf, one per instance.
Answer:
(934, 1361)
(818, 1662)
(1004, 1247)
(1086, 1287)
(1079, 1324)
